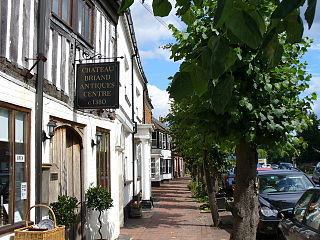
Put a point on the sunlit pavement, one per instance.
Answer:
(175, 216)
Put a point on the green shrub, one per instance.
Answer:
(198, 190)
(306, 168)
(64, 210)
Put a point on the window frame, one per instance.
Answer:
(316, 196)
(107, 163)
(73, 19)
(13, 109)
(153, 168)
(154, 140)
(303, 207)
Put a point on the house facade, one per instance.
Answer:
(49, 144)
(161, 160)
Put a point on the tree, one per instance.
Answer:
(193, 141)
(311, 153)
(253, 90)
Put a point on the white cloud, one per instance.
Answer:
(316, 107)
(160, 101)
(156, 53)
(148, 29)
(152, 32)
(314, 86)
(315, 46)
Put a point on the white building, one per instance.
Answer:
(161, 160)
(109, 147)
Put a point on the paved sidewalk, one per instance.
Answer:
(175, 216)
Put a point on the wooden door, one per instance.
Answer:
(67, 159)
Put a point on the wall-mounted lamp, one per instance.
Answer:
(51, 127)
(98, 137)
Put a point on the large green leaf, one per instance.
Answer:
(309, 13)
(222, 93)
(125, 4)
(245, 28)
(294, 27)
(219, 50)
(223, 11)
(199, 77)
(188, 17)
(198, 2)
(161, 8)
(285, 7)
(200, 80)
(181, 86)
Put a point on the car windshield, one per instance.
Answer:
(284, 183)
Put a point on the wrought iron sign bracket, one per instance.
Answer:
(98, 56)
(27, 74)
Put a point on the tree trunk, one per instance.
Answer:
(211, 191)
(245, 212)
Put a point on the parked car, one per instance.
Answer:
(285, 165)
(279, 190)
(303, 222)
(228, 182)
(316, 173)
(274, 166)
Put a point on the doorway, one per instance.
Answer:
(67, 161)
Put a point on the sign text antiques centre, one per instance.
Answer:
(98, 85)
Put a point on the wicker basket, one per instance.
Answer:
(57, 233)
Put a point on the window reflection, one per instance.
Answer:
(13, 166)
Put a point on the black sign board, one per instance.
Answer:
(97, 85)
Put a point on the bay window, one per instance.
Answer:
(78, 14)
(14, 164)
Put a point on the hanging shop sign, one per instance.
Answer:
(97, 85)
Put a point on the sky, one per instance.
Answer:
(152, 33)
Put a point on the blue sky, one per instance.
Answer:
(152, 33)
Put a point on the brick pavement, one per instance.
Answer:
(175, 216)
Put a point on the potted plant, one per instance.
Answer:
(135, 209)
(65, 211)
(98, 199)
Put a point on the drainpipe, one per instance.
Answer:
(134, 125)
(39, 106)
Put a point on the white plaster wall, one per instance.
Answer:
(125, 67)
(146, 170)
(56, 108)
(17, 93)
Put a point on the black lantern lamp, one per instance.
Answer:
(51, 127)
(98, 136)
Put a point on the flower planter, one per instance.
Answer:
(135, 209)
(135, 212)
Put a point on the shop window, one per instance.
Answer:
(78, 14)
(14, 163)
(103, 159)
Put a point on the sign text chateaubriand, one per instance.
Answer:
(98, 85)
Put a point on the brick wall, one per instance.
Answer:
(147, 114)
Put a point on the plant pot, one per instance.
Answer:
(135, 212)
